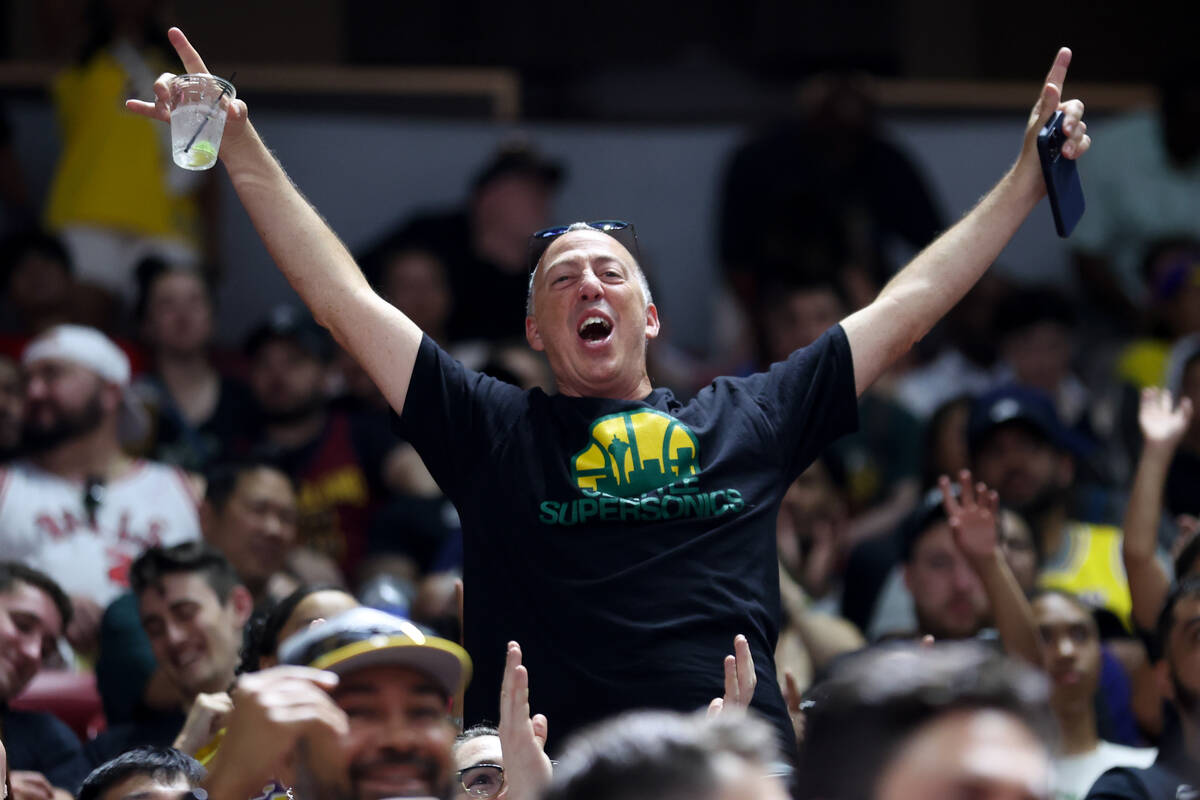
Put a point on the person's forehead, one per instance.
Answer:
(387, 681)
(978, 746)
(25, 597)
(1054, 609)
(148, 787)
(264, 482)
(63, 367)
(584, 244)
(935, 538)
(176, 587)
(480, 749)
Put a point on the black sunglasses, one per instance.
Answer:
(619, 229)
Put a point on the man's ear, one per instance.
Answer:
(242, 603)
(532, 335)
(652, 325)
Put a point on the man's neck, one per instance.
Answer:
(93, 455)
(1051, 529)
(297, 433)
(636, 391)
(1078, 730)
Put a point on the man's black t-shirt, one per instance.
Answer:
(623, 543)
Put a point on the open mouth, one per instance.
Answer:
(594, 329)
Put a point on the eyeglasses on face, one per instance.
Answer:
(619, 229)
(482, 780)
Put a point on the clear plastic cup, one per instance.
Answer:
(199, 103)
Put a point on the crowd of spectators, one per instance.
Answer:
(227, 572)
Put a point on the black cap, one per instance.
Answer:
(295, 325)
(1015, 403)
(519, 158)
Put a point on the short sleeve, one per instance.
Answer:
(454, 416)
(809, 399)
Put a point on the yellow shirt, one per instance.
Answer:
(112, 171)
(1089, 566)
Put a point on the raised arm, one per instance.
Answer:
(929, 286)
(1163, 426)
(974, 519)
(306, 250)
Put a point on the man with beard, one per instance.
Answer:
(365, 715)
(1175, 774)
(1020, 447)
(76, 506)
(338, 460)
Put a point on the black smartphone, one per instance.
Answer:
(1062, 177)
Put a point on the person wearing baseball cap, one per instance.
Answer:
(76, 506)
(360, 706)
(1019, 445)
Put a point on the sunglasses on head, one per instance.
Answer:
(618, 229)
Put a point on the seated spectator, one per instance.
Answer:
(1019, 446)
(45, 760)
(76, 506)
(479, 764)
(193, 609)
(1036, 331)
(952, 720)
(957, 574)
(269, 628)
(38, 287)
(382, 729)
(340, 462)
(203, 731)
(249, 514)
(669, 756)
(144, 773)
(1176, 770)
(198, 412)
(1071, 642)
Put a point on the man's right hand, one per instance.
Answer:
(160, 109)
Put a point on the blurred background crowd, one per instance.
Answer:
(254, 433)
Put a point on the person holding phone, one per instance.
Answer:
(622, 535)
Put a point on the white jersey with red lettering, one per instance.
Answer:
(86, 537)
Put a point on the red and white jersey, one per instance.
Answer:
(45, 523)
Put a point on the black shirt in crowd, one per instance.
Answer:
(623, 543)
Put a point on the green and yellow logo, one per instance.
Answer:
(635, 452)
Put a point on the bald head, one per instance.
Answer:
(578, 235)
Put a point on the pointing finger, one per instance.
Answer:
(192, 61)
(1058, 70)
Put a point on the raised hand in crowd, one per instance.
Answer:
(974, 521)
(206, 716)
(1163, 424)
(28, 785)
(274, 709)
(740, 679)
(527, 768)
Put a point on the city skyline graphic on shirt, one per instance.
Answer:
(635, 452)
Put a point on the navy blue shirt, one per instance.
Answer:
(623, 543)
(41, 742)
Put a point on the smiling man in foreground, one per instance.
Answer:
(621, 535)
